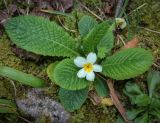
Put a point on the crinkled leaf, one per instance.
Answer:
(142, 119)
(153, 79)
(65, 75)
(92, 39)
(73, 100)
(86, 24)
(101, 87)
(106, 43)
(142, 100)
(127, 63)
(40, 36)
(7, 106)
(132, 114)
(19, 76)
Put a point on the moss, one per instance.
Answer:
(90, 113)
(148, 17)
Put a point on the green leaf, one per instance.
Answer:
(65, 75)
(86, 24)
(40, 36)
(142, 100)
(72, 100)
(91, 41)
(127, 63)
(155, 112)
(155, 104)
(142, 119)
(50, 70)
(7, 106)
(120, 120)
(132, 90)
(19, 76)
(133, 113)
(57, 13)
(106, 43)
(153, 79)
(101, 87)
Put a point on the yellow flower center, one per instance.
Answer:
(88, 67)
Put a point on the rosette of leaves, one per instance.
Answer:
(41, 36)
(145, 106)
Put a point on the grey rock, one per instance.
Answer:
(37, 105)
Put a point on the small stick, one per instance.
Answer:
(6, 6)
(150, 30)
(27, 121)
(157, 66)
(98, 17)
(66, 28)
(28, 6)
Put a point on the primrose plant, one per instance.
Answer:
(75, 73)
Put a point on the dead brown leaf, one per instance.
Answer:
(132, 43)
(116, 101)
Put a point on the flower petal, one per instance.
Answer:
(97, 68)
(79, 61)
(91, 58)
(81, 73)
(90, 76)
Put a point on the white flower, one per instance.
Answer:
(88, 66)
(121, 22)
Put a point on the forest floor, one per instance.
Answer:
(144, 22)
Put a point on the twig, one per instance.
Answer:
(119, 37)
(28, 6)
(66, 28)
(24, 119)
(157, 66)
(150, 30)
(6, 6)
(139, 7)
(98, 17)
